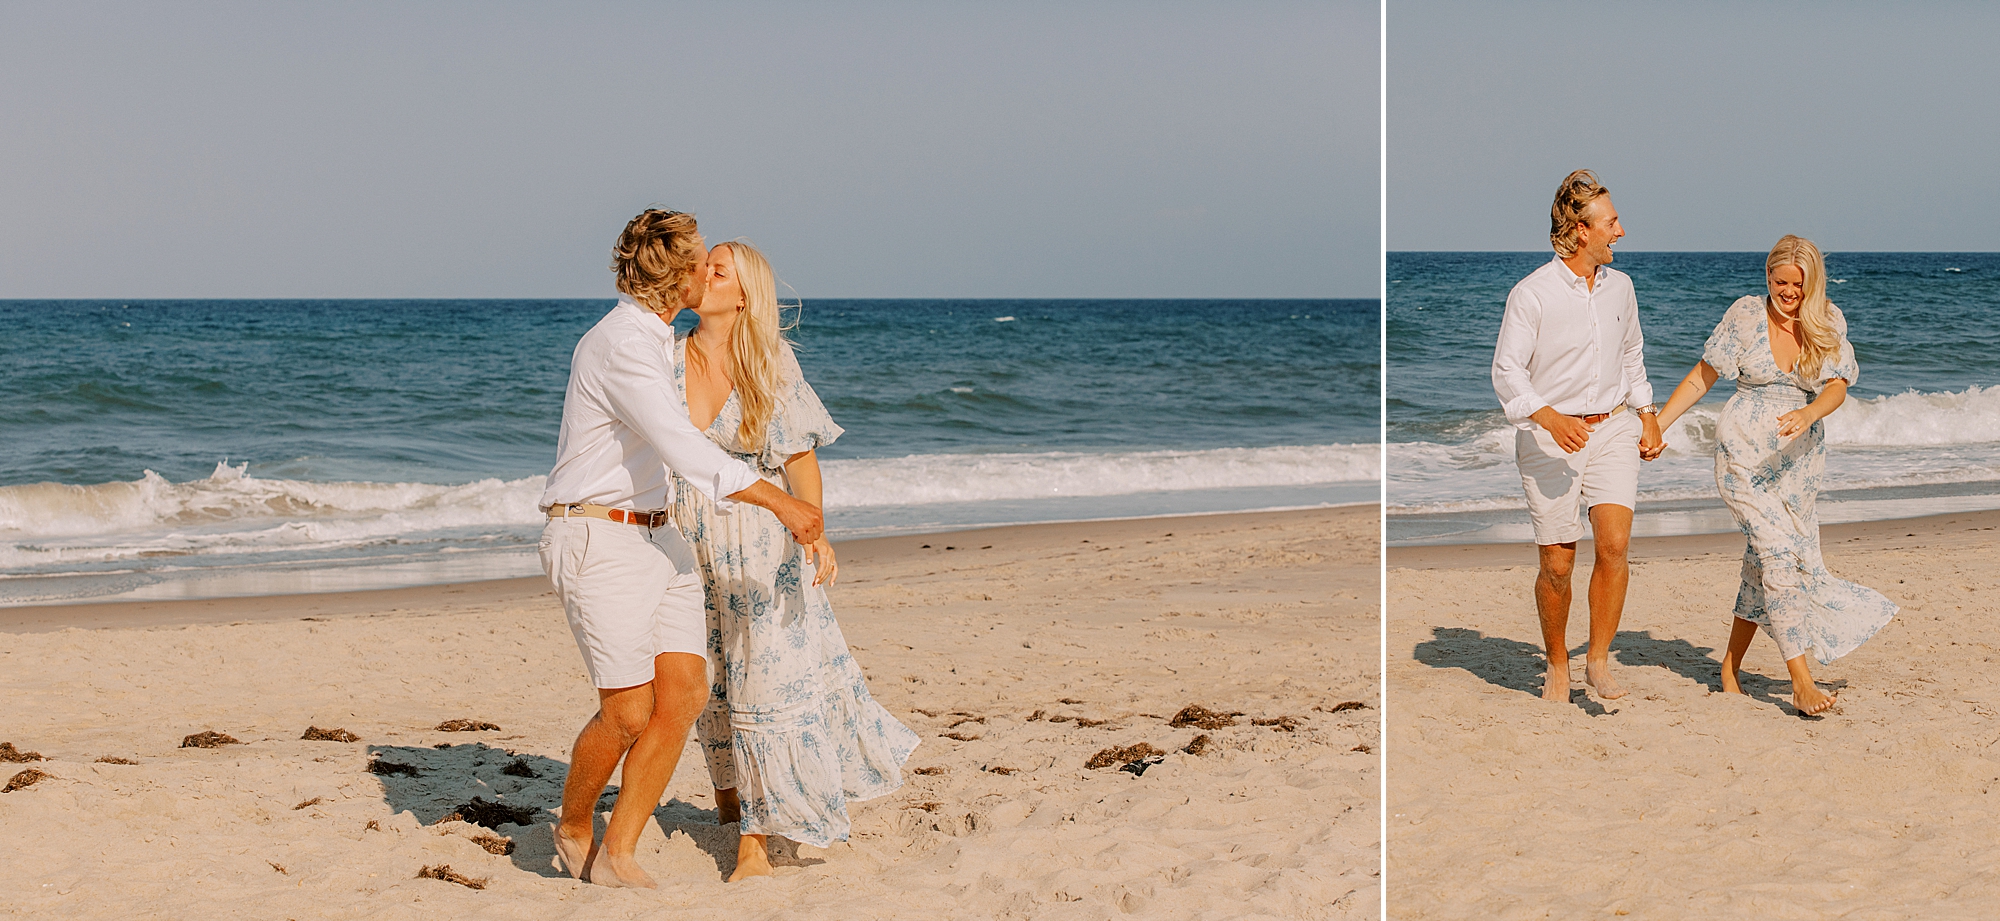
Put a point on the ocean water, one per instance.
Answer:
(157, 449)
(1918, 434)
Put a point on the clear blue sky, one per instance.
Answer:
(873, 149)
(1717, 126)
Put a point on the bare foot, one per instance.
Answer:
(1555, 686)
(1730, 685)
(1598, 676)
(727, 807)
(575, 853)
(1811, 701)
(619, 873)
(753, 858)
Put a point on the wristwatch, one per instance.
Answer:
(1650, 409)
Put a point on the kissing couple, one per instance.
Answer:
(686, 540)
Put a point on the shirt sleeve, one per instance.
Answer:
(1638, 388)
(639, 386)
(800, 422)
(1518, 327)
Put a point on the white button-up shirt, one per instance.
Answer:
(625, 424)
(1570, 345)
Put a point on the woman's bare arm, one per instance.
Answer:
(802, 472)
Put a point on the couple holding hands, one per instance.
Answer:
(1570, 372)
(685, 539)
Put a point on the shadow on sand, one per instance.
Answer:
(438, 781)
(1520, 666)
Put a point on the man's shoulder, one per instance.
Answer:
(1534, 283)
(607, 336)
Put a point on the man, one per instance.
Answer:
(628, 580)
(1570, 371)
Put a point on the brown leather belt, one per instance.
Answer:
(1595, 418)
(619, 515)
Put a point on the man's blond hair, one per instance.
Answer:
(1577, 191)
(655, 256)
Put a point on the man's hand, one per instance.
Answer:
(1651, 442)
(800, 517)
(1569, 432)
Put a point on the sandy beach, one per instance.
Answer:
(1017, 653)
(1679, 801)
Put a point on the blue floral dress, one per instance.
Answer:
(1772, 485)
(790, 723)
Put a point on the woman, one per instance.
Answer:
(1789, 355)
(791, 732)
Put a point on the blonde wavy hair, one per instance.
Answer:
(1822, 341)
(1577, 191)
(756, 366)
(655, 256)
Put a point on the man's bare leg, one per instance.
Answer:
(621, 716)
(1806, 696)
(1552, 597)
(753, 857)
(1741, 632)
(1611, 533)
(728, 808)
(680, 691)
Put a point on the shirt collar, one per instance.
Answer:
(649, 320)
(1571, 278)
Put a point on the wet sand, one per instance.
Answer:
(1036, 646)
(1679, 801)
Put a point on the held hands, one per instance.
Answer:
(820, 553)
(1651, 442)
(1570, 433)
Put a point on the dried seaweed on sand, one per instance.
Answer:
(316, 734)
(209, 739)
(25, 779)
(491, 815)
(444, 872)
(1122, 755)
(1201, 717)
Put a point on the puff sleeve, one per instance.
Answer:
(1842, 364)
(800, 422)
(1724, 350)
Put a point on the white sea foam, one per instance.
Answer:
(924, 479)
(47, 526)
(1903, 439)
(321, 510)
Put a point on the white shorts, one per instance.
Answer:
(1562, 487)
(631, 593)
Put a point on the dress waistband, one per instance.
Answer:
(1775, 388)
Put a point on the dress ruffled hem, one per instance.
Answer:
(796, 782)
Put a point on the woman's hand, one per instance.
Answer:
(1796, 421)
(824, 568)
